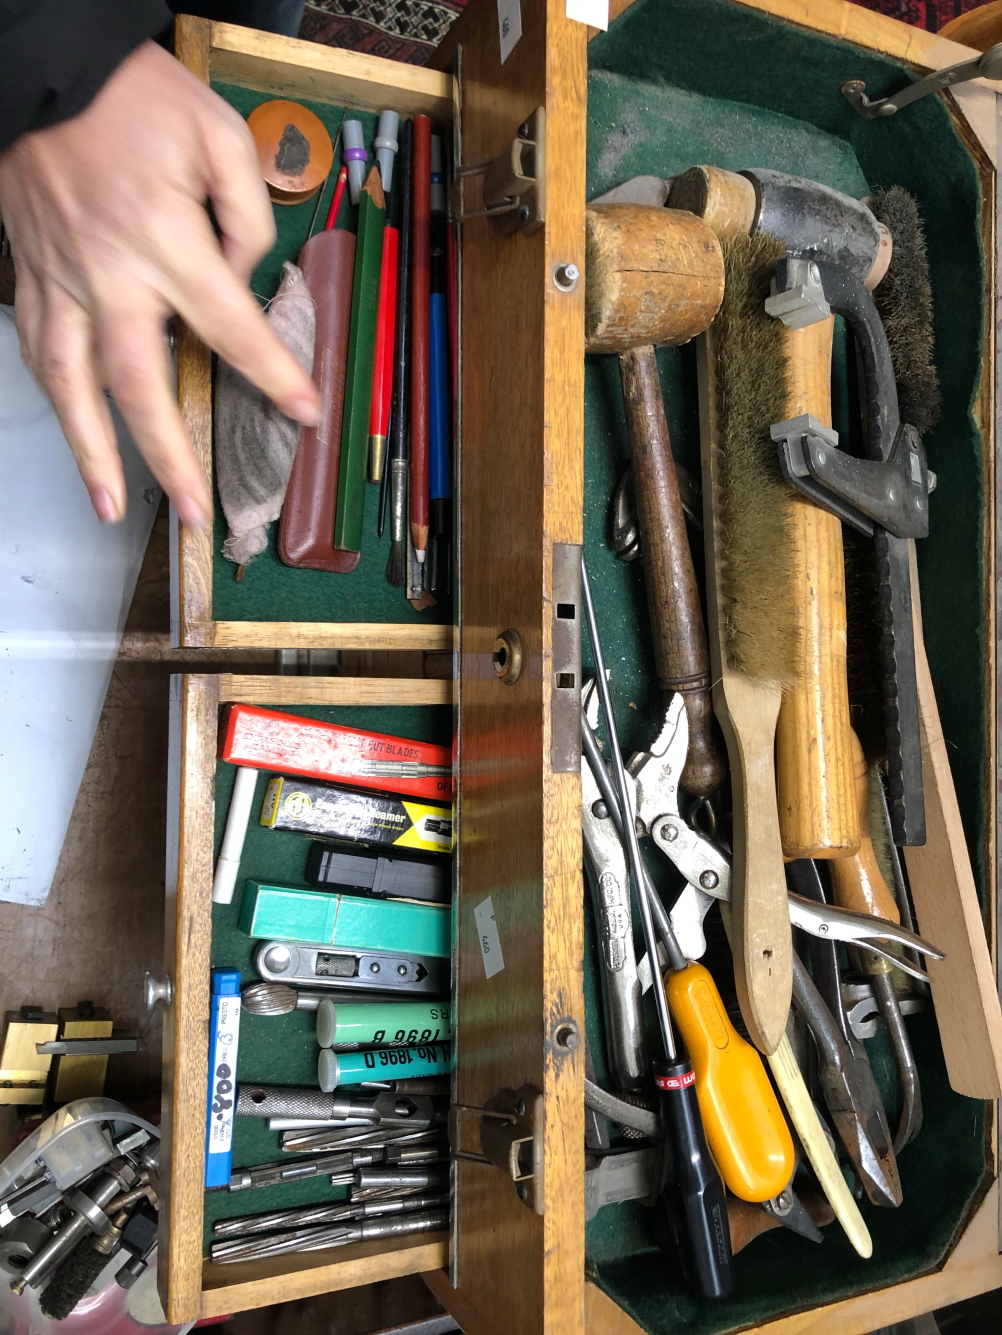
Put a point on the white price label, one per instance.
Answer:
(593, 12)
(490, 942)
(509, 26)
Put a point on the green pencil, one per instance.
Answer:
(358, 381)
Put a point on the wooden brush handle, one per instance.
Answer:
(680, 650)
(747, 711)
(857, 881)
(818, 817)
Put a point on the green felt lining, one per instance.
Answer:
(271, 590)
(679, 82)
(282, 1050)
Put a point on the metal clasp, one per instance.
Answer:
(514, 183)
(511, 1137)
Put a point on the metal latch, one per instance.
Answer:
(511, 1137)
(514, 183)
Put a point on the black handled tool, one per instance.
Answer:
(692, 1191)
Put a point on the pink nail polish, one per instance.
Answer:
(104, 507)
(305, 409)
(191, 512)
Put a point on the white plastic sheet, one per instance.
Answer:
(66, 582)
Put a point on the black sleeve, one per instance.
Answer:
(56, 54)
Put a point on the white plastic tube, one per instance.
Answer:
(228, 865)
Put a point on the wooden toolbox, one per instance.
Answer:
(673, 82)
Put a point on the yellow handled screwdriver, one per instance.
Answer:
(744, 1125)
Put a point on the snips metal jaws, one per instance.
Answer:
(829, 923)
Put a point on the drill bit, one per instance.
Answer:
(304, 1216)
(319, 1239)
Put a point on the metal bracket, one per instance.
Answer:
(514, 183)
(892, 494)
(511, 1136)
(986, 66)
(798, 296)
(565, 660)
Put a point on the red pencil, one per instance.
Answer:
(386, 325)
(420, 278)
(342, 177)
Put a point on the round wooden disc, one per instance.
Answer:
(293, 148)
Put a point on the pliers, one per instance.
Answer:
(707, 869)
(605, 860)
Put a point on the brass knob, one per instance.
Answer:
(507, 657)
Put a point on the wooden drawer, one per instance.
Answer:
(536, 456)
(275, 606)
(191, 1287)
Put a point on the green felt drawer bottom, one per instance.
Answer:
(283, 1050)
(680, 82)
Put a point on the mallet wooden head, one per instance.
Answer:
(654, 276)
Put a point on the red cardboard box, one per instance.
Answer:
(266, 739)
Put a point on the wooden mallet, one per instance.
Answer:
(655, 277)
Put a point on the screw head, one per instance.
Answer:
(822, 458)
(814, 272)
(565, 276)
(600, 810)
(520, 1107)
(709, 880)
(522, 1190)
(669, 833)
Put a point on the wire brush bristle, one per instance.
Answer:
(756, 555)
(904, 301)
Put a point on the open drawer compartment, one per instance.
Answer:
(278, 1050)
(680, 82)
(275, 605)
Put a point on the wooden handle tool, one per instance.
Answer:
(681, 654)
(814, 769)
(817, 809)
(747, 710)
(857, 881)
(947, 908)
(655, 276)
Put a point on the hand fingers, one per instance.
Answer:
(66, 370)
(135, 364)
(223, 312)
(28, 310)
(240, 199)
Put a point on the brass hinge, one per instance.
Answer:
(514, 183)
(511, 1137)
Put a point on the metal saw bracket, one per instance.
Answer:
(892, 494)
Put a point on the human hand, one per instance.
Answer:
(109, 235)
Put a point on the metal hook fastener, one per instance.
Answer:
(511, 1136)
(986, 66)
(514, 182)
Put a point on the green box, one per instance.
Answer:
(353, 922)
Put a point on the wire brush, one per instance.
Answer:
(756, 550)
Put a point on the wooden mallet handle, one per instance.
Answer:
(680, 649)
(655, 278)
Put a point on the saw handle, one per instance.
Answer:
(681, 654)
